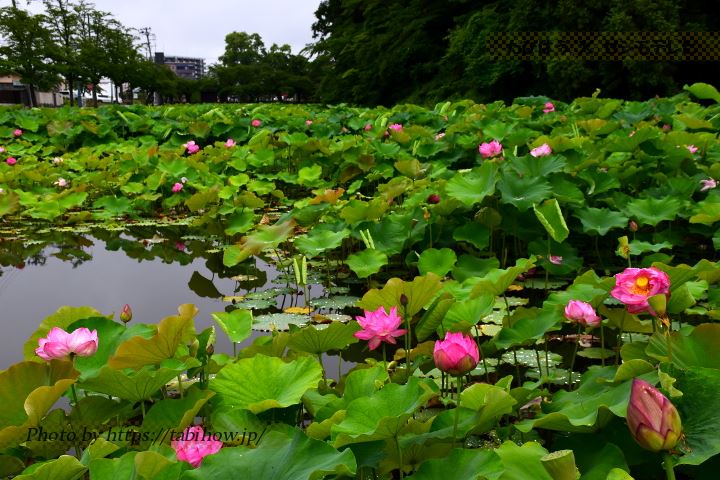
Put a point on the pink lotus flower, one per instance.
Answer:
(396, 127)
(59, 343)
(433, 198)
(457, 354)
(708, 184)
(2, 149)
(308, 122)
(439, 136)
(633, 226)
(582, 313)
(549, 107)
(60, 182)
(256, 123)
(635, 285)
(379, 326)
(11, 161)
(653, 420)
(555, 259)
(194, 444)
(691, 148)
(489, 150)
(192, 147)
(230, 143)
(177, 187)
(126, 313)
(367, 127)
(541, 151)
(666, 128)
(180, 246)
(17, 132)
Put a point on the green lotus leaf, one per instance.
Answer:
(638, 247)
(463, 314)
(236, 324)
(472, 187)
(469, 266)
(590, 406)
(99, 448)
(367, 262)
(419, 293)
(240, 222)
(552, 219)
(310, 175)
(527, 325)
(523, 192)
(172, 414)
(601, 220)
(696, 349)
(175, 168)
(27, 391)
(280, 456)
(65, 467)
(651, 211)
(200, 200)
(145, 465)
(62, 318)
(261, 383)
(383, 414)
(336, 336)
(436, 261)
(247, 426)
(138, 351)
(113, 206)
(337, 302)
(476, 234)
(461, 464)
(279, 321)
(703, 91)
(264, 237)
(320, 240)
(433, 316)
(498, 280)
(9, 202)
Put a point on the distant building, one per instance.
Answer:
(13, 92)
(184, 67)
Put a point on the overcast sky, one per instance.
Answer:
(197, 28)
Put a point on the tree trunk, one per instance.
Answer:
(31, 95)
(70, 81)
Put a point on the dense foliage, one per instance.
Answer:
(510, 226)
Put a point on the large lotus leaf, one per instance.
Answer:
(383, 414)
(138, 352)
(244, 425)
(172, 414)
(320, 240)
(8, 203)
(472, 187)
(436, 261)
(264, 237)
(551, 217)
(113, 206)
(600, 395)
(261, 383)
(698, 408)
(145, 465)
(492, 402)
(367, 262)
(475, 233)
(527, 325)
(27, 391)
(593, 458)
(461, 464)
(462, 315)
(336, 336)
(110, 335)
(703, 91)
(62, 318)
(523, 192)
(498, 280)
(280, 456)
(241, 222)
(698, 349)
(65, 467)
(236, 324)
(419, 293)
(680, 274)
(600, 220)
(433, 316)
(651, 211)
(359, 383)
(135, 385)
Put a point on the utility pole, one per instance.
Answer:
(147, 32)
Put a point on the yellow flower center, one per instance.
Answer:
(641, 286)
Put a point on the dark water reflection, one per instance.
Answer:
(153, 271)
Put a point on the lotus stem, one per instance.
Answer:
(400, 459)
(561, 465)
(457, 410)
(668, 464)
(572, 362)
(602, 344)
(75, 400)
(180, 387)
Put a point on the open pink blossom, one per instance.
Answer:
(11, 161)
(192, 147)
(666, 128)
(308, 122)
(708, 184)
(230, 143)
(367, 127)
(439, 136)
(17, 132)
(691, 148)
(379, 326)
(256, 123)
(396, 127)
(60, 182)
(491, 149)
(193, 444)
(549, 107)
(457, 354)
(555, 259)
(541, 151)
(635, 285)
(582, 313)
(59, 343)
(177, 187)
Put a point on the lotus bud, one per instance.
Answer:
(210, 349)
(403, 300)
(633, 226)
(126, 313)
(653, 420)
(433, 198)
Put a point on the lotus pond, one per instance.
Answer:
(489, 291)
